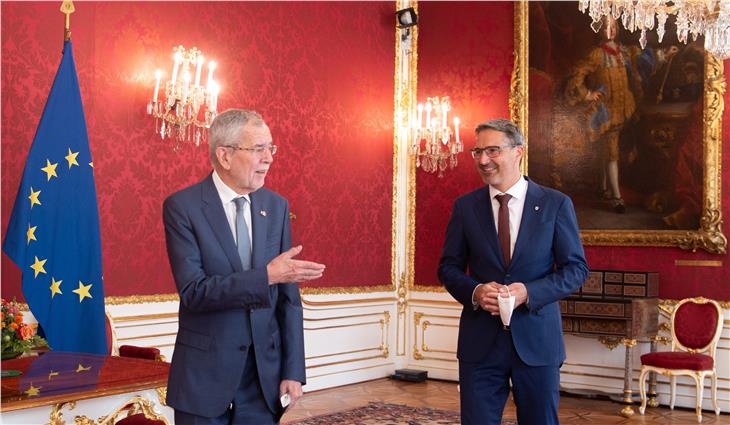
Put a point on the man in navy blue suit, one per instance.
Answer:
(512, 236)
(240, 343)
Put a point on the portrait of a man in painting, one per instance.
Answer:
(616, 126)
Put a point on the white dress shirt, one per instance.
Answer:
(227, 196)
(516, 205)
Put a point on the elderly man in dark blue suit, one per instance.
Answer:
(512, 236)
(240, 343)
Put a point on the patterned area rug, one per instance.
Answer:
(389, 414)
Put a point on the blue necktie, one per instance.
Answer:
(242, 240)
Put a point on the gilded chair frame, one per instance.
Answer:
(133, 406)
(698, 375)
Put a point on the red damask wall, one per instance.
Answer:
(465, 51)
(320, 73)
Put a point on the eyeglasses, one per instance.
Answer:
(258, 150)
(491, 151)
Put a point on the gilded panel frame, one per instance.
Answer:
(709, 235)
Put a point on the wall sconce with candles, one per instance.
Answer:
(433, 142)
(188, 108)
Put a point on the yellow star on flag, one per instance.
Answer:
(50, 169)
(71, 158)
(37, 266)
(33, 391)
(91, 164)
(34, 197)
(56, 287)
(81, 368)
(83, 291)
(31, 233)
(51, 374)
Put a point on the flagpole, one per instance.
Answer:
(67, 8)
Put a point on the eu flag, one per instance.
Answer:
(53, 234)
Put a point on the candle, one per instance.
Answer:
(456, 127)
(198, 70)
(428, 115)
(178, 59)
(445, 109)
(420, 115)
(211, 68)
(213, 100)
(186, 86)
(158, 75)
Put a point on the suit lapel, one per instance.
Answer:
(213, 211)
(485, 217)
(259, 221)
(531, 215)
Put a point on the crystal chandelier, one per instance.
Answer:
(189, 107)
(710, 18)
(433, 142)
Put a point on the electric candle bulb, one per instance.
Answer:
(211, 67)
(198, 70)
(158, 76)
(457, 121)
(178, 59)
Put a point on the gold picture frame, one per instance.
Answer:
(708, 236)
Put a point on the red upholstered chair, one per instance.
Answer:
(150, 353)
(696, 325)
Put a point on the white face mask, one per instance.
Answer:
(506, 305)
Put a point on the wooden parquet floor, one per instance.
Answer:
(444, 395)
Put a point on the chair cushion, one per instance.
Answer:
(678, 360)
(139, 419)
(695, 324)
(150, 353)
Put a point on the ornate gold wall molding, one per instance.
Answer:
(140, 299)
(346, 289)
(383, 347)
(518, 97)
(424, 348)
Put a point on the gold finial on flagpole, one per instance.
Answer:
(67, 7)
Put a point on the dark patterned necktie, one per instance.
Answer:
(242, 240)
(503, 226)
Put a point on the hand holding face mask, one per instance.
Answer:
(506, 303)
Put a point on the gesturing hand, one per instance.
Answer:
(284, 268)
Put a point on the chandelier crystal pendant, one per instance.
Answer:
(433, 142)
(710, 18)
(188, 107)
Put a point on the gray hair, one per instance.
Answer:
(505, 126)
(226, 128)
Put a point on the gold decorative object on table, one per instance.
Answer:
(188, 107)
(433, 142)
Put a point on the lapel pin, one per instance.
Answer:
(537, 208)
(263, 213)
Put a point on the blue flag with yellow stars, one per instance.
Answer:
(53, 234)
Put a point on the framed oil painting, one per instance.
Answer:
(631, 134)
